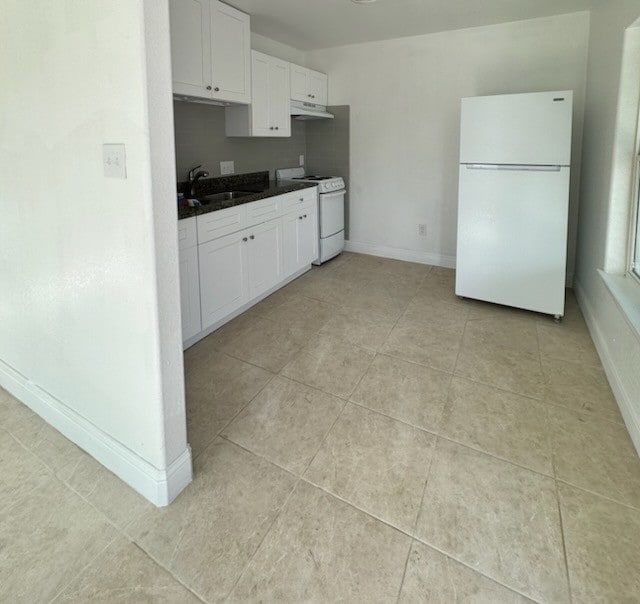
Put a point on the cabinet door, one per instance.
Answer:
(223, 277)
(308, 237)
(264, 253)
(190, 293)
(299, 83)
(260, 111)
(230, 54)
(290, 232)
(299, 238)
(190, 46)
(279, 98)
(318, 87)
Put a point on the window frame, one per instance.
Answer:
(633, 268)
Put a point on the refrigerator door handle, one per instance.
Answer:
(514, 167)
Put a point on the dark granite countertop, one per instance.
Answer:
(257, 182)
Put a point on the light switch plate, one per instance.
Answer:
(302, 160)
(114, 160)
(227, 167)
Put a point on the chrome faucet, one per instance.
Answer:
(194, 177)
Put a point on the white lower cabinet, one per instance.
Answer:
(189, 278)
(299, 238)
(223, 273)
(224, 283)
(264, 253)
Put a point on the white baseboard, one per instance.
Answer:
(158, 486)
(631, 420)
(400, 254)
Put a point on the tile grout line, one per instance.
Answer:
(415, 538)
(266, 534)
(120, 532)
(232, 419)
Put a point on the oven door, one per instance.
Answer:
(331, 213)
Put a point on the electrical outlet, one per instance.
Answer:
(114, 161)
(422, 230)
(302, 160)
(227, 167)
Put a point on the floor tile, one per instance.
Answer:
(47, 538)
(497, 518)
(124, 573)
(440, 284)
(268, 344)
(331, 365)
(406, 391)
(567, 343)
(302, 313)
(104, 490)
(45, 442)
(434, 577)
(377, 463)
(21, 472)
(12, 411)
(511, 333)
(596, 455)
(480, 310)
(435, 344)
(503, 424)
(579, 387)
(504, 368)
(360, 327)
(387, 295)
(209, 533)
(216, 393)
(220, 338)
(435, 311)
(286, 423)
(323, 550)
(603, 547)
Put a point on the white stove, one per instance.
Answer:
(331, 192)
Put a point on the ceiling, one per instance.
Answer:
(312, 24)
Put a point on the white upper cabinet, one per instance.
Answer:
(308, 85)
(269, 113)
(210, 51)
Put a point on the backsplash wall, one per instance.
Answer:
(201, 139)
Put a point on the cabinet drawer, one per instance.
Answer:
(222, 222)
(187, 233)
(291, 201)
(263, 210)
(305, 207)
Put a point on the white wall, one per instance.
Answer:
(607, 142)
(89, 312)
(405, 106)
(277, 49)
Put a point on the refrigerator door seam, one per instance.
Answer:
(515, 167)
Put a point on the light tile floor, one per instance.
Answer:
(362, 435)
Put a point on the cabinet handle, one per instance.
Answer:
(216, 89)
(271, 128)
(301, 199)
(300, 217)
(208, 87)
(252, 237)
(244, 239)
(305, 216)
(277, 128)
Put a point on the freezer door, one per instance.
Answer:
(512, 237)
(331, 213)
(517, 129)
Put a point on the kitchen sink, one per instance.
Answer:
(226, 196)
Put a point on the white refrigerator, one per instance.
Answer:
(513, 203)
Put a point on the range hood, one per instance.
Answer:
(301, 110)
